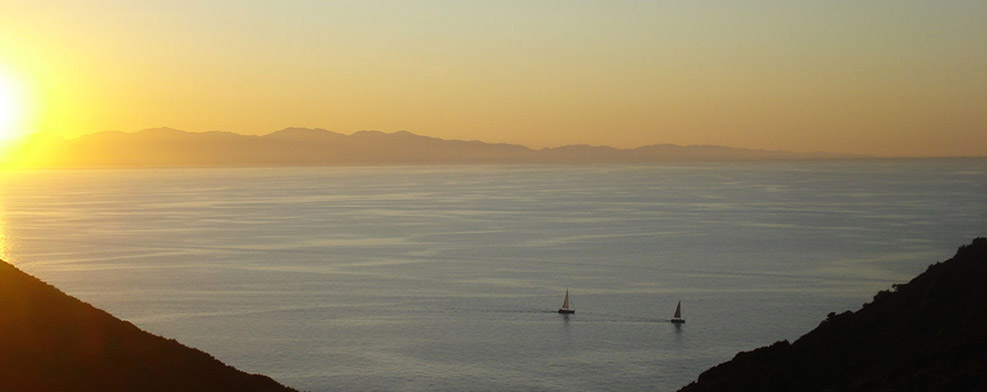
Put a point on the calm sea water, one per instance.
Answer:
(448, 278)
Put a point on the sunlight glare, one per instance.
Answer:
(11, 109)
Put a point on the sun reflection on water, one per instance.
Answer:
(3, 237)
(5, 243)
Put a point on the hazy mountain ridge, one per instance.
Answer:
(50, 341)
(164, 147)
(927, 335)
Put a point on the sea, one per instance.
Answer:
(449, 278)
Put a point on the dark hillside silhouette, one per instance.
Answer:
(50, 341)
(163, 147)
(927, 335)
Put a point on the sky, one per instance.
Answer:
(885, 78)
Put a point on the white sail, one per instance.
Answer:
(677, 319)
(565, 305)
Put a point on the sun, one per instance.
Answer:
(16, 107)
(19, 116)
(9, 111)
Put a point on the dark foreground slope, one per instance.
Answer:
(50, 341)
(927, 335)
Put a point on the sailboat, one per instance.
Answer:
(565, 305)
(677, 319)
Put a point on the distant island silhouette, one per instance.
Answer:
(927, 335)
(50, 341)
(167, 147)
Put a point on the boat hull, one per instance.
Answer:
(677, 321)
(566, 311)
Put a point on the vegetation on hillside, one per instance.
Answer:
(50, 341)
(927, 335)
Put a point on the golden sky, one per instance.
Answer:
(889, 78)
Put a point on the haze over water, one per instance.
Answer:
(448, 278)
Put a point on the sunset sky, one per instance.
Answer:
(889, 78)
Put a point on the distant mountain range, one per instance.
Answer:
(165, 147)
